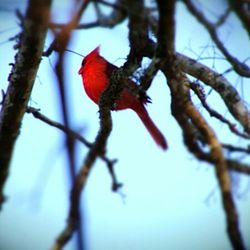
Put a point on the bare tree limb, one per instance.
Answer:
(199, 92)
(37, 114)
(110, 163)
(232, 164)
(183, 109)
(237, 149)
(239, 67)
(117, 82)
(241, 8)
(60, 44)
(238, 166)
(107, 101)
(215, 156)
(61, 40)
(220, 84)
(27, 59)
(116, 5)
(117, 16)
(222, 176)
(223, 17)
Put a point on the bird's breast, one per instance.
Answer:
(95, 81)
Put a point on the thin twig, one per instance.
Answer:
(115, 17)
(238, 166)
(199, 91)
(183, 109)
(110, 163)
(223, 177)
(236, 149)
(221, 85)
(107, 101)
(241, 9)
(62, 37)
(37, 114)
(239, 67)
(117, 5)
(223, 18)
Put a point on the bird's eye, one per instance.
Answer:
(83, 62)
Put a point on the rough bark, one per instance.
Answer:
(21, 80)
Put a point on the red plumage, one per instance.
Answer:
(95, 72)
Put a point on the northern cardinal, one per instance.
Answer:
(95, 72)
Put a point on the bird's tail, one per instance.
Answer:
(151, 127)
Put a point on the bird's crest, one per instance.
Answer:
(95, 52)
(92, 55)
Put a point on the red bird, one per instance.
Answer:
(95, 72)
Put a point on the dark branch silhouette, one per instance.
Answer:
(30, 47)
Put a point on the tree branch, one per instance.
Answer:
(222, 176)
(61, 40)
(236, 149)
(110, 163)
(116, 84)
(185, 112)
(239, 67)
(138, 31)
(238, 166)
(242, 11)
(79, 184)
(27, 59)
(60, 44)
(199, 92)
(228, 93)
(117, 16)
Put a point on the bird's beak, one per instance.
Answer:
(80, 71)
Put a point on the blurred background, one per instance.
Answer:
(169, 200)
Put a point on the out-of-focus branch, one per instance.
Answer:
(110, 163)
(60, 44)
(242, 10)
(117, 82)
(107, 101)
(218, 82)
(222, 176)
(198, 90)
(61, 40)
(232, 164)
(27, 59)
(114, 19)
(185, 113)
(221, 20)
(117, 16)
(74, 217)
(116, 5)
(239, 167)
(236, 149)
(228, 93)
(37, 114)
(239, 67)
